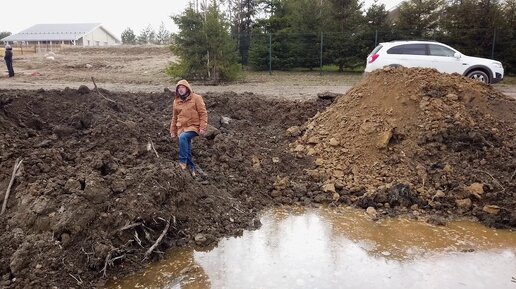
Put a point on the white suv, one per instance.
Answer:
(433, 55)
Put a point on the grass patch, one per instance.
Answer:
(328, 68)
(509, 80)
(304, 78)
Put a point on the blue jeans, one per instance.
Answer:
(9, 64)
(185, 148)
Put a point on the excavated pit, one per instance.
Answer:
(100, 182)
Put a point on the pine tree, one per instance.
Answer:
(473, 25)
(147, 36)
(163, 36)
(4, 34)
(204, 45)
(128, 36)
(505, 47)
(377, 24)
(308, 19)
(418, 19)
(347, 47)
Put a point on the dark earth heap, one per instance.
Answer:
(92, 195)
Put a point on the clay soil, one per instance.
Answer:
(99, 182)
(417, 141)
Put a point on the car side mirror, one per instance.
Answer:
(457, 55)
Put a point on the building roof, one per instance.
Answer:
(56, 32)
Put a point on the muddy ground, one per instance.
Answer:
(140, 68)
(88, 175)
(92, 196)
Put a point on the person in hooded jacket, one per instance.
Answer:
(9, 59)
(189, 119)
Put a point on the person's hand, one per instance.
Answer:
(172, 135)
(202, 131)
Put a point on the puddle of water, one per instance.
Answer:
(342, 248)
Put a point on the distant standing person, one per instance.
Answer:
(189, 119)
(9, 59)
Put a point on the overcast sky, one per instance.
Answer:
(115, 16)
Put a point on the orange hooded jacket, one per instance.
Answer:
(189, 114)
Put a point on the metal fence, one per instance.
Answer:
(28, 49)
(348, 51)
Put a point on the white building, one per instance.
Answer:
(82, 34)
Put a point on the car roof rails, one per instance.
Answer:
(419, 40)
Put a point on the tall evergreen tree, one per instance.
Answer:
(204, 45)
(128, 36)
(307, 20)
(348, 46)
(505, 45)
(470, 25)
(190, 45)
(276, 16)
(275, 20)
(4, 34)
(222, 57)
(377, 17)
(309, 16)
(347, 14)
(377, 24)
(147, 36)
(418, 19)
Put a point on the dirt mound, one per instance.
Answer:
(93, 196)
(415, 139)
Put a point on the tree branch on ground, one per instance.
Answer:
(17, 165)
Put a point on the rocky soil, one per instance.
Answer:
(417, 141)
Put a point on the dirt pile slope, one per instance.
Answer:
(417, 139)
(92, 196)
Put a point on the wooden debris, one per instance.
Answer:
(98, 92)
(158, 241)
(17, 165)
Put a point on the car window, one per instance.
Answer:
(377, 48)
(412, 49)
(438, 50)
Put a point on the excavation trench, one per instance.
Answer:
(99, 193)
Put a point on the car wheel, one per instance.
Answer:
(479, 75)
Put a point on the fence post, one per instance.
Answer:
(241, 52)
(270, 53)
(322, 39)
(493, 46)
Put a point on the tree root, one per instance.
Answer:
(158, 241)
(100, 94)
(494, 180)
(17, 165)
